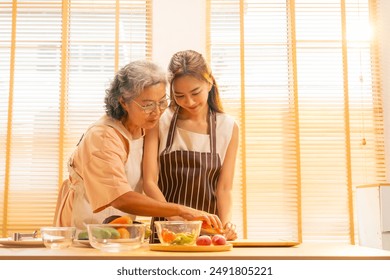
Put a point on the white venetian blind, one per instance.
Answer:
(56, 60)
(301, 78)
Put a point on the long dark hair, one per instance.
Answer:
(193, 64)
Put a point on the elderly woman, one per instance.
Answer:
(105, 175)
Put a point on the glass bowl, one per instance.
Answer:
(58, 237)
(116, 237)
(178, 232)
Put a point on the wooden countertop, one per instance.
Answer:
(306, 251)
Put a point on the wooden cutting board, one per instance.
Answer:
(262, 243)
(34, 242)
(190, 248)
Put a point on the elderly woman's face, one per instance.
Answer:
(145, 110)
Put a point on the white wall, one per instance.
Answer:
(384, 31)
(177, 25)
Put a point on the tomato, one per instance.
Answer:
(167, 235)
(209, 229)
(218, 239)
(203, 240)
(205, 225)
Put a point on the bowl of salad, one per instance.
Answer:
(178, 232)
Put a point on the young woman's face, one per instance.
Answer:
(190, 93)
(145, 110)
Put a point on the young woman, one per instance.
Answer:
(195, 144)
(105, 175)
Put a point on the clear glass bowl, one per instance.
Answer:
(116, 237)
(58, 237)
(178, 232)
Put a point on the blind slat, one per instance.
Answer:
(36, 108)
(311, 158)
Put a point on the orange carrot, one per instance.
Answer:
(122, 220)
(124, 233)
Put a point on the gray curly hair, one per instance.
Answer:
(129, 82)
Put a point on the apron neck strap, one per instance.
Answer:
(212, 131)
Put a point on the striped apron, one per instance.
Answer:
(189, 177)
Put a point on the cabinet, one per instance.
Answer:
(373, 215)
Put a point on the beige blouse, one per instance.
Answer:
(100, 170)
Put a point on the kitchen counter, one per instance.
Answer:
(306, 251)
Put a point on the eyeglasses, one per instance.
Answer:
(151, 107)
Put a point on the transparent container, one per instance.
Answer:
(58, 237)
(116, 237)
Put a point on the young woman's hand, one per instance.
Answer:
(230, 231)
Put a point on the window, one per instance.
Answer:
(301, 78)
(56, 59)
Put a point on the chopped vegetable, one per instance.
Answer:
(110, 219)
(124, 233)
(148, 232)
(184, 238)
(167, 235)
(122, 220)
(83, 235)
(115, 234)
(101, 233)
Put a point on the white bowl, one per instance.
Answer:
(58, 237)
(116, 237)
(178, 232)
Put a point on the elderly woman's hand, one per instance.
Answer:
(196, 215)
